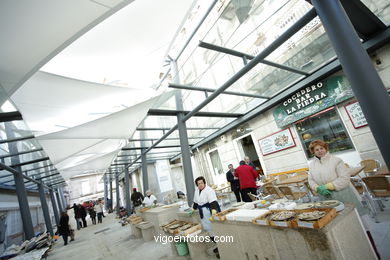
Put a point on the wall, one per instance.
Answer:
(294, 158)
(10, 206)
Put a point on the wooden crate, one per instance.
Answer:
(136, 220)
(194, 227)
(317, 224)
(166, 226)
(221, 216)
(175, 230)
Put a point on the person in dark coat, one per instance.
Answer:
(83, 214)
(234, 182)
(63, 228)
(77, 215)
(136, 198)
(92, 214)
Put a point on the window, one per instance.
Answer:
(216, 162)
(326, 126)
(85, 188)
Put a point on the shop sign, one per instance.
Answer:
(356, 115)
(312, 99)
(276, 142)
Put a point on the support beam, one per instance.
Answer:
(55, 209)
(45, 209)
(21, 192)
(241, 94)
(59, 201)
(30, 162)
(127, 191)
(37, 168)
(141, 148)
(105, 191)
(268, 50)
(329, 69)
(111, 197)
(40, 173)
(19, 153)
(10, 140)
(166, 139)
(63, 200)
(167, 112)
(359, 70)
(117, 194)
(249, 57)
(144, 165)
(10, 116)
(165, 128)
(47, 176)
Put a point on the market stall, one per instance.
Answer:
(342, 238)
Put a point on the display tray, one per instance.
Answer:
(330, 213)
(266, 219)
(171, 224)
(221, 216)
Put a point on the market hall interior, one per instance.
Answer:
(125, 125)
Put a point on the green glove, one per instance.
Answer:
(190, 212)
(322, 190)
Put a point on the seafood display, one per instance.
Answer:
(311, 215)
(327, 204)
(282, 215)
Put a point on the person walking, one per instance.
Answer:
(92, 213)
(63, 228)
(247, 177)
(83, 213)
(234, 182)
(77, 215)
(99, 211)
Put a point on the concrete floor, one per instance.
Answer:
(115, 242)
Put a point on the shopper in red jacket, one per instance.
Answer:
(247, 177)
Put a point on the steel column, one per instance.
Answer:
(55, 210)
(105, 190)
(184, 145)
(117, 193)
(21, 192)
(59, 201)
(45, 209)
(111, 199)
(63, 201)
(365, 81)
(127, 191)
(144, 165)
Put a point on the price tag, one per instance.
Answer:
(261, 221)
(280, 223)
(305, 224)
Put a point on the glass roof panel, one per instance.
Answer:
(307, 50)
(380, 8)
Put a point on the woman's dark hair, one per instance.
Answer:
(64, 213)
(242, 163)
(198, 179)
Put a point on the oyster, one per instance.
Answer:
(282, 215)
(311, 215)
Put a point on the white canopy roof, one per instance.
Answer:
(82, 124)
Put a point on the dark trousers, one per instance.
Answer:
(84, 222)
(244, 194)
(93, 220)
(100, 215)
(237, 193)
(65, 237)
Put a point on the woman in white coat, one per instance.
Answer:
(330, 178)
(205, 200)
(149, 199)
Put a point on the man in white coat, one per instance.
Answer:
(149, 199)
